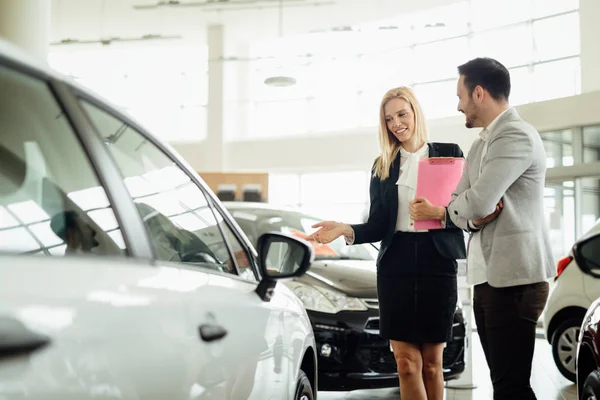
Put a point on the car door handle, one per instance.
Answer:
(17, 339)
(211, 332)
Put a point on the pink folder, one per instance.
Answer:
(437, 179)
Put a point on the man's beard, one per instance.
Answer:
(470, 120)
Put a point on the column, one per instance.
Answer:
(26, 23)
(214, 123)
(589, 14)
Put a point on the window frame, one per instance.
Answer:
(81, 95)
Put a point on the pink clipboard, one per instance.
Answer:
(438, 177)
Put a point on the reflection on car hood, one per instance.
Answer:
(354, 278)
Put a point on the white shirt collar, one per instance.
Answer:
(409, 168)
(486, 132)
(419, 152)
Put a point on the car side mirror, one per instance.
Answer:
(281, 256)
(587, 255)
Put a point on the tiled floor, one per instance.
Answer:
(547, 382)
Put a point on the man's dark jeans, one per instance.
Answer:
(506, 319)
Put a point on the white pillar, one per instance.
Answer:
(215, 142)
(589, 14)
(26, 23)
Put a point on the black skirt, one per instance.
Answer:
(417, 290)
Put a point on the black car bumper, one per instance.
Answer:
(352, 355)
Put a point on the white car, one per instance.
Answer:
(572, 293)
(121, 274)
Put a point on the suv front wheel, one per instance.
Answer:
(303, 387)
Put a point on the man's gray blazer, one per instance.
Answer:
(516, 246)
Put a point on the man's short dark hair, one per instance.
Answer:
(488, 73)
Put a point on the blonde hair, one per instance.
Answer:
(389, 144)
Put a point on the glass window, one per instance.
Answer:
(559, 207)
(590, 203)
(381, 71)
(240, 256)
(543, 8)
(274, 118)
(512, 46)
(51, 201)
(368, 107)
(438, 99)
(486, 14)
(442, 22)
(559, 148)
(336, 111)
(521, 91)
(348, 213)
(337, 195)
(556, 79)
(440, 59)
(556, 37)
(172, 122)
(174, 108)
(336, 187)
(180, 223)
(333, 77)
(284, 189)
(591, 144)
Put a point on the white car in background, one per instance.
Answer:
(121, 274)
(573, 292)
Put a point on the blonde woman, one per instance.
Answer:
(416, 270)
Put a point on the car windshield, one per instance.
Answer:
(258, 221)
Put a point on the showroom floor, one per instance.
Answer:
(547, 382)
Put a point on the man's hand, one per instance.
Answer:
(478, 223)
(421, 209)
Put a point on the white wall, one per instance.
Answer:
(355, 150)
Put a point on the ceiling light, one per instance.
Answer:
(280, 81)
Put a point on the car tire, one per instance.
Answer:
(591, 387)
(304, 389)
(564, 347)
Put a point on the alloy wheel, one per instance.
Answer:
(567, 348)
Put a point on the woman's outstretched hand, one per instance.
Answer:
(329, 231)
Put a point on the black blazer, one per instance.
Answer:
(383, 212)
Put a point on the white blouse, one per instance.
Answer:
(407, 185)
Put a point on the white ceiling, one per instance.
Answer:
(95, 19)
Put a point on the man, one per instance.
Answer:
(499, 200)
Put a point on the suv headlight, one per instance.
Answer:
(317, 298)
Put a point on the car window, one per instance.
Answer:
(51, 201)
(591, 252)
(180, 223)
(241, 257)
(248, 226)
